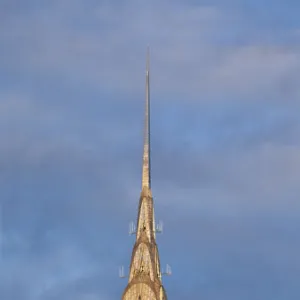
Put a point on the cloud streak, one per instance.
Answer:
(95, 44)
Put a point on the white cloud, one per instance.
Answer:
(105, 46)
(259, 181)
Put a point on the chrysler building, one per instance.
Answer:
(145, 273)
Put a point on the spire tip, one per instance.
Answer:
(148, 58)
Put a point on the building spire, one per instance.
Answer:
(146, 175)
(144, 278)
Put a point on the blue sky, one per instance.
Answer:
(225, 146)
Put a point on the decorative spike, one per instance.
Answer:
(121, 272)
(159, 227)
(168, 271)
(132, 229)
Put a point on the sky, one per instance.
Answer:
(225, 146)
